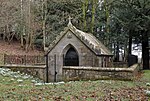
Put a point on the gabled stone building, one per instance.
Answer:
(74, 47)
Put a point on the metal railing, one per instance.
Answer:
(24, 59)
(1, 59)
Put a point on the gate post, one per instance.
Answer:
(46, 56)
(55, 68)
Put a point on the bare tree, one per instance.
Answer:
(44, 16)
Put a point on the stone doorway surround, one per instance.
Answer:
(71, 57)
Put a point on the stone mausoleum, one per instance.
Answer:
(74, 47)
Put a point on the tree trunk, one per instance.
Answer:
(27, 42)
(44, 12)
(30, 32)
(22, 27)
(114, 49)
(130, 43)
(117, 53)
(12, 34)
(125, 52)
(8, 33)
(84, 10)
(4, 34)
(93, 15)
(31, 39)
(29, 27)
(145, 50)
(107, 13)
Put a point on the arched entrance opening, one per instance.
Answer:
(71, 58)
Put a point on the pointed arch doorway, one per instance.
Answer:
(71, 58)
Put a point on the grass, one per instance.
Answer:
(146, 75)
(100, 90)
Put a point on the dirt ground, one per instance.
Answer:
(14, 48)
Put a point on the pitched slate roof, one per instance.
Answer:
(88, 39)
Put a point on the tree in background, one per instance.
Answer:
(17, 21)
(89, 11)
(55, 17)
(134, 15)
(8, 18)
(108, 29)
(115, 22)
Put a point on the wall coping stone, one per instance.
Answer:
(24, 66)
(130, 69)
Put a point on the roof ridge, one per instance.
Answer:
(101, 44)
(87, 42)
(96, 46)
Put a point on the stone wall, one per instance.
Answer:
(120, 64)
(88, 58)
(83, 73)
(35, 72)
(94, 73)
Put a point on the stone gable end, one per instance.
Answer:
(86, 56)
(74, 47)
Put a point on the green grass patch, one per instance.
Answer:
(100, 90)
(146, 75)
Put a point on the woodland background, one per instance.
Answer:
(117, 23)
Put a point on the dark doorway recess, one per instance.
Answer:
(71, 58)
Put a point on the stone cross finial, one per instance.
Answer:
(69, 23)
